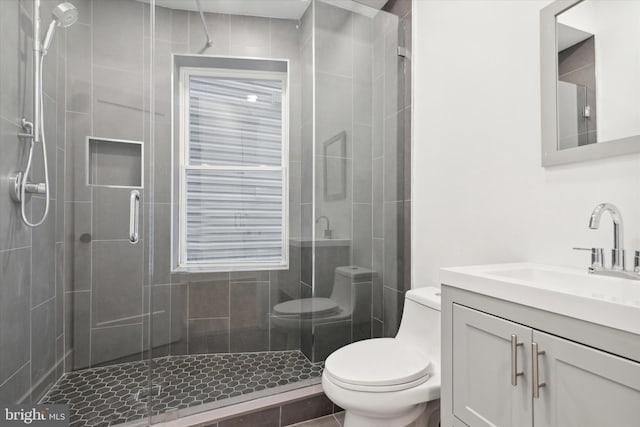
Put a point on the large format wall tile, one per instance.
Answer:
(162, 244)
(59, 279)
(77, 217)
(43, 252)
(209, 299)
(393, 306)
(117, 34)
(79, 68)
(179, 319)
(116, 344)
(117, 104)
(10, 22)
(14, 310)
(333, 109)
(58, 206)
(78, 128)
(111, 213)
(78, 328)
(249, 36)
(362, 164)
(218, 27)
(393, 236)
(209, 335)
(334, 41)
(16, 389)
(362, 240)
(157, 322)
(13, 232)
(43, 347)
(285, 39)
(116, 292)
(249, 316)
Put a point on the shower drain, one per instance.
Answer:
(146, 393)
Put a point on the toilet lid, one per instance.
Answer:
(377, 362)
(307, 307)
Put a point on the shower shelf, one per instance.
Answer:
(115, 163)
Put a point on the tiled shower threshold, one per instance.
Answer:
(182, 385)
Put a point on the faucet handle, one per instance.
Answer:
(597, 257)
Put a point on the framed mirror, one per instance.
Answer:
(590, 80)
(334, 153)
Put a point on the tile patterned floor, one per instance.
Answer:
(117, 394)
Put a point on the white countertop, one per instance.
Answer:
(608, 301)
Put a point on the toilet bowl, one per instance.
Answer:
(338, 306)
(387, 382)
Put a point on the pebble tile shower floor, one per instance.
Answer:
(117, 394)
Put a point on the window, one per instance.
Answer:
(233, 176)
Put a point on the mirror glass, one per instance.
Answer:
(598, 72)
(334, 152)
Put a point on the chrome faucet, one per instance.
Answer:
(327, 232)
(617, 253)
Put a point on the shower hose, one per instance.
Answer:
(27, 171)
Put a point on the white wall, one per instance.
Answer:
(479, 192)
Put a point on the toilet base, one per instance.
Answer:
(356, 419)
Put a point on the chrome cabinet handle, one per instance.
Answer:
(514, 360)
(134, 216)
(534, 370)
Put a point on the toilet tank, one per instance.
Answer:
(343, 279)
(420, 325)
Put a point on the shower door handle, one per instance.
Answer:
(134, 216)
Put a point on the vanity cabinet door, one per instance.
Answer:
(584, 387)
(483, 392)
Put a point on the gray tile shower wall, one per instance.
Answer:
(226, 312)
(32, 270)
(391, 167)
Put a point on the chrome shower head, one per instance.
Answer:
(64, 15)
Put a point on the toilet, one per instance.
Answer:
(387, 382)
(339, 306)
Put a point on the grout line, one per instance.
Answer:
(15, 373)
(14, 249)
(42, 303)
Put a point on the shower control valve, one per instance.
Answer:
(15, 181)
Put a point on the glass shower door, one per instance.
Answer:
(102, 124)
(359, 147)
(222, 334)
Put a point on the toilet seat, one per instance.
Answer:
(307, 307)
(377, 365)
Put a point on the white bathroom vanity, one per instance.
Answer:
(526, 345)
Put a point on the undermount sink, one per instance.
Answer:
(609, 301)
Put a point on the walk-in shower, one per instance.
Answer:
(272, 199)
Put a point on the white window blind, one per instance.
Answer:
(233, 204)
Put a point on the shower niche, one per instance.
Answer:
(114, 163)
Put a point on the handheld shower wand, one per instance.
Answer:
(64, 15)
